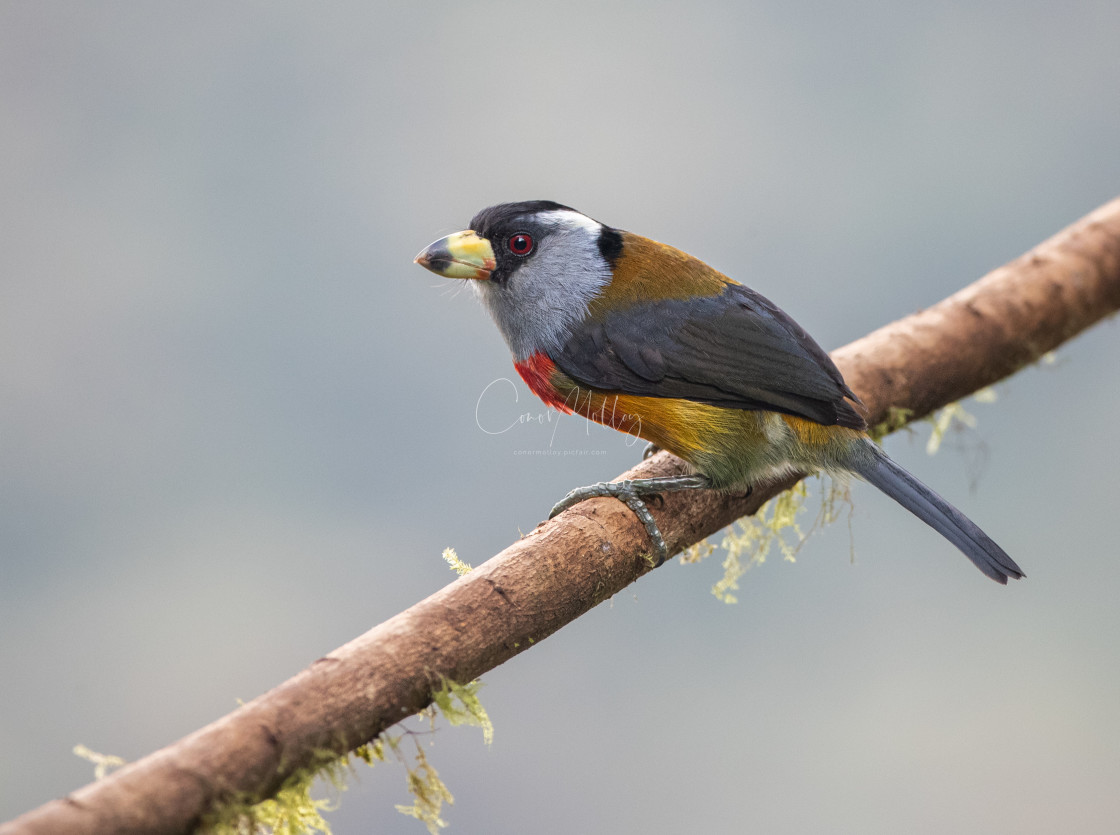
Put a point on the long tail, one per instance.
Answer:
(885, 474)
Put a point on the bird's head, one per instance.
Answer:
(536, 266)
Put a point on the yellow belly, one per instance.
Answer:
(733, 447)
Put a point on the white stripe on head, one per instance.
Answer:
(570, 219)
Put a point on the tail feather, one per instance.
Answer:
(889, 477)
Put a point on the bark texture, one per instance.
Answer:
(569, 565)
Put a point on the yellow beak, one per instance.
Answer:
(462, 255)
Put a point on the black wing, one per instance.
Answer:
(736, 350)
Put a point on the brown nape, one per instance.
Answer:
(649, 271)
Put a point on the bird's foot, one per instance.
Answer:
(633, 493)
(651, 450)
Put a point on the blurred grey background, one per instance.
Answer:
(238, 425)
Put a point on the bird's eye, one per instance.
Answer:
(521, 243)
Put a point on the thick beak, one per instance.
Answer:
(462, 255)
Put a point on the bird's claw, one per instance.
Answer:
(628, 493)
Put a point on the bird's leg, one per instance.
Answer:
(651, 450)
(631, 492)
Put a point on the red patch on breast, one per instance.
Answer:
(536, 371)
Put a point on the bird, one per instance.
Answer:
(642, 337)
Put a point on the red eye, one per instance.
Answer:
(521, 243)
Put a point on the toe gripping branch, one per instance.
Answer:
(633, 493)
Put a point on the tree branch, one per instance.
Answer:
(567, 566)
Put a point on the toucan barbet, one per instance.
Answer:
(642, 337)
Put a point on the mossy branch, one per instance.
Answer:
(565, 567)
